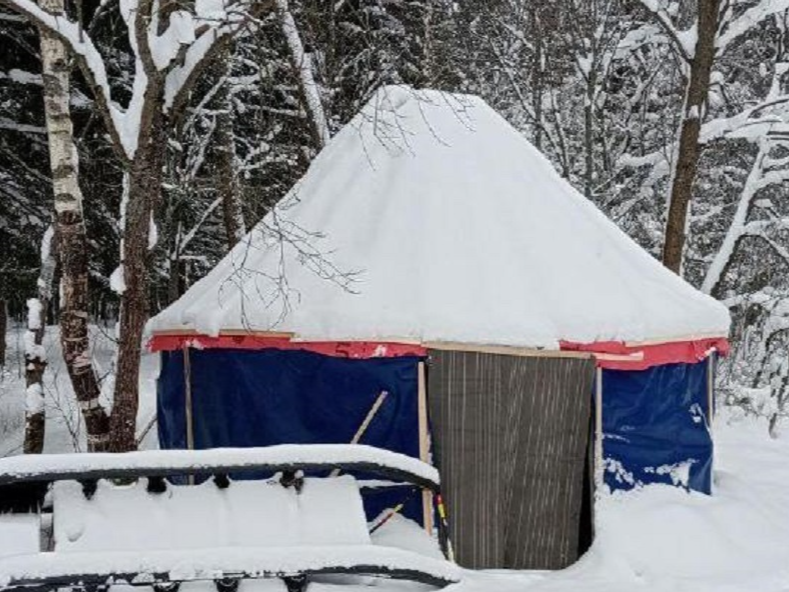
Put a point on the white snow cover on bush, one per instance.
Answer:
(428, 217)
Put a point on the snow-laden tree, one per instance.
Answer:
(699, 37)
(24, 176)
(603, 87)
(258, 96)
(169, 47)
(35, 353)
(72, 246)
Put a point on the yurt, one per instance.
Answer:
(432, 266)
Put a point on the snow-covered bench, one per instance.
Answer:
(150, 531)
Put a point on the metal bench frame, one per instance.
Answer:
(25, 481)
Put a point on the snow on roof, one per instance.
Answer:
(429, 218)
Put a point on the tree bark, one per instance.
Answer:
(310, 93)
(3, 330)
(689, 149)
(145, 179)
(589, 165)
(538, 74)
(35, 354)
(227, 181)
(72, 238)
(174, 283)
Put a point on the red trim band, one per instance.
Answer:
(613, 355)
(616, 355)
(337, 349)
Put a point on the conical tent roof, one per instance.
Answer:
(429, 218)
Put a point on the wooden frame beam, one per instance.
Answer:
(424, 444)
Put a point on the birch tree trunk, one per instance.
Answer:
(173, 66)
(301, 64)
(70, 230)
(35, 354)
(35, 365)
(174, 283)
(689, 150)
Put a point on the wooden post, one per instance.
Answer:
(424, 445)
(710, 389)
(190, 436)
(369, 417)
(598, 424)
(365, 424)
(711, 406)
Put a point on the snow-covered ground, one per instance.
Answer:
(64, 430)
(662, 539)
(659, 539)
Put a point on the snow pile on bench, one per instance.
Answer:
(246, 514)
(173, 462)
(107, 532)
(19, 534)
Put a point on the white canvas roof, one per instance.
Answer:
(429, 218)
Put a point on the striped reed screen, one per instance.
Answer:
(510, 438)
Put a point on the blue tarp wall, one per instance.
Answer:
(265, 397)
(655, 421)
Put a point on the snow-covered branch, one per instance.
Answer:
(738, 226)
(774, 177)
(683, 41)
(215, 24)
(743, 125)
(750, 18)
(81, 46)
(21, 77)
(187, 238)
(177, 52)
(7, 124)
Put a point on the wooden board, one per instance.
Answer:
(424, 445)
(505, 350)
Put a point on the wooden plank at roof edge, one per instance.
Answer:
(679, 339)
(442, 345)
(280, 335)
(227, 333)
(394, 340)
(507, 350)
